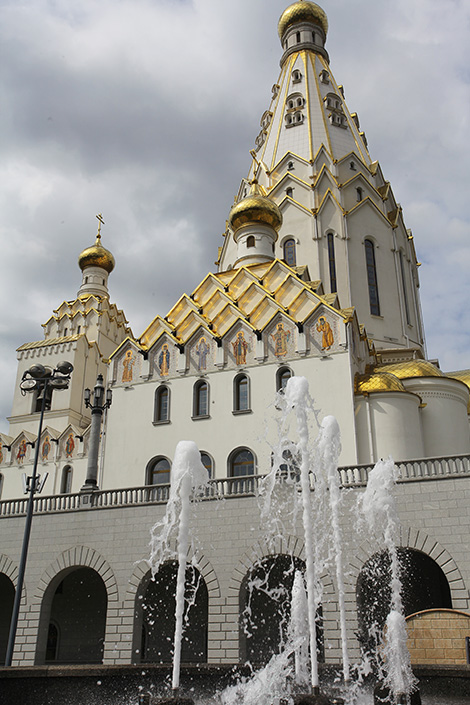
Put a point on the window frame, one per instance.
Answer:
(151, 473)
(231, 462)
(66, 480)
(241, 378)
(197, 402)
(280, 376)
(158, 416)
(330, 238)
(372, 283)
(289, 243)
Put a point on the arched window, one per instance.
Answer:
(405, 292)
(372, 278)
(241, 394)
(241, 463)
(162, 405)
(290, 166)
(282, 376)
(201, 399)
(250, 241)
(289, 252)
(66, 480)
(158, 471)
(208, 463)
(332, 262)
(359, 194)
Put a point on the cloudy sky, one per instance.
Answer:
(145, 110)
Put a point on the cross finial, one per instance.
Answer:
(100, 223)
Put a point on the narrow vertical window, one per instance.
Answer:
(162, 405)
(359, 194)
(1, 485)
(201, 399)
(282, 376)
(289, 252)
(332, 262)
(298, 37)
(66, 480)
(241, 393)
(405, 293)
(372, 278)
(250, 241)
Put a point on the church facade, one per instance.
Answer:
(317, 277)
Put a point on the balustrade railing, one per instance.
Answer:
(229, 487)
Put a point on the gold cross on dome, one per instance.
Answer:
(100, 223)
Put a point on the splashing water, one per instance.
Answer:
(378, 508)
(188, 476)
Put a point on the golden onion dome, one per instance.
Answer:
(412, 368)
(255, 208)
(96, 256)
(378, 382)
(302, 11)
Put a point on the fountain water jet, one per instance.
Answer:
(188, 475)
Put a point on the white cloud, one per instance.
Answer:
(146, 111)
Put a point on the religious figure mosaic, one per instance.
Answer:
(69, 446)
(202, 351)
(281, 338)
(324, 328)
(164, 361)
(128, 363)
(240, 348)
(46, 448)
(21, 454)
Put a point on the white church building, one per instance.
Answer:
(317, 276)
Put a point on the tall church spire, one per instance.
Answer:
(339, 215)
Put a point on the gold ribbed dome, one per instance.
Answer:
(302, 11)
(412, 368)
(378, 382)
(255, 208)
(96, 256)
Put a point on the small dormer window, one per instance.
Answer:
(296, 76)
(65, 332)
(352, 166)
(289, 192)
(250, 241)
(359, 194)
(324, 76)
(86, 280)
(290, 166)
(290, 104)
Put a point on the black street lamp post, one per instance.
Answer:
(42, 380)
(98, 405)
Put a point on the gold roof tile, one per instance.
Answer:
(377, 382)
(411, 368)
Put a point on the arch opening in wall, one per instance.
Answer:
(154, 619)
(250, 241)
(425, 586)
(75, 604)
(265, 608)
(7, 597)
(162, 405)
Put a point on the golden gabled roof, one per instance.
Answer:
(50, 341)
(377, 382)
(253, 294)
